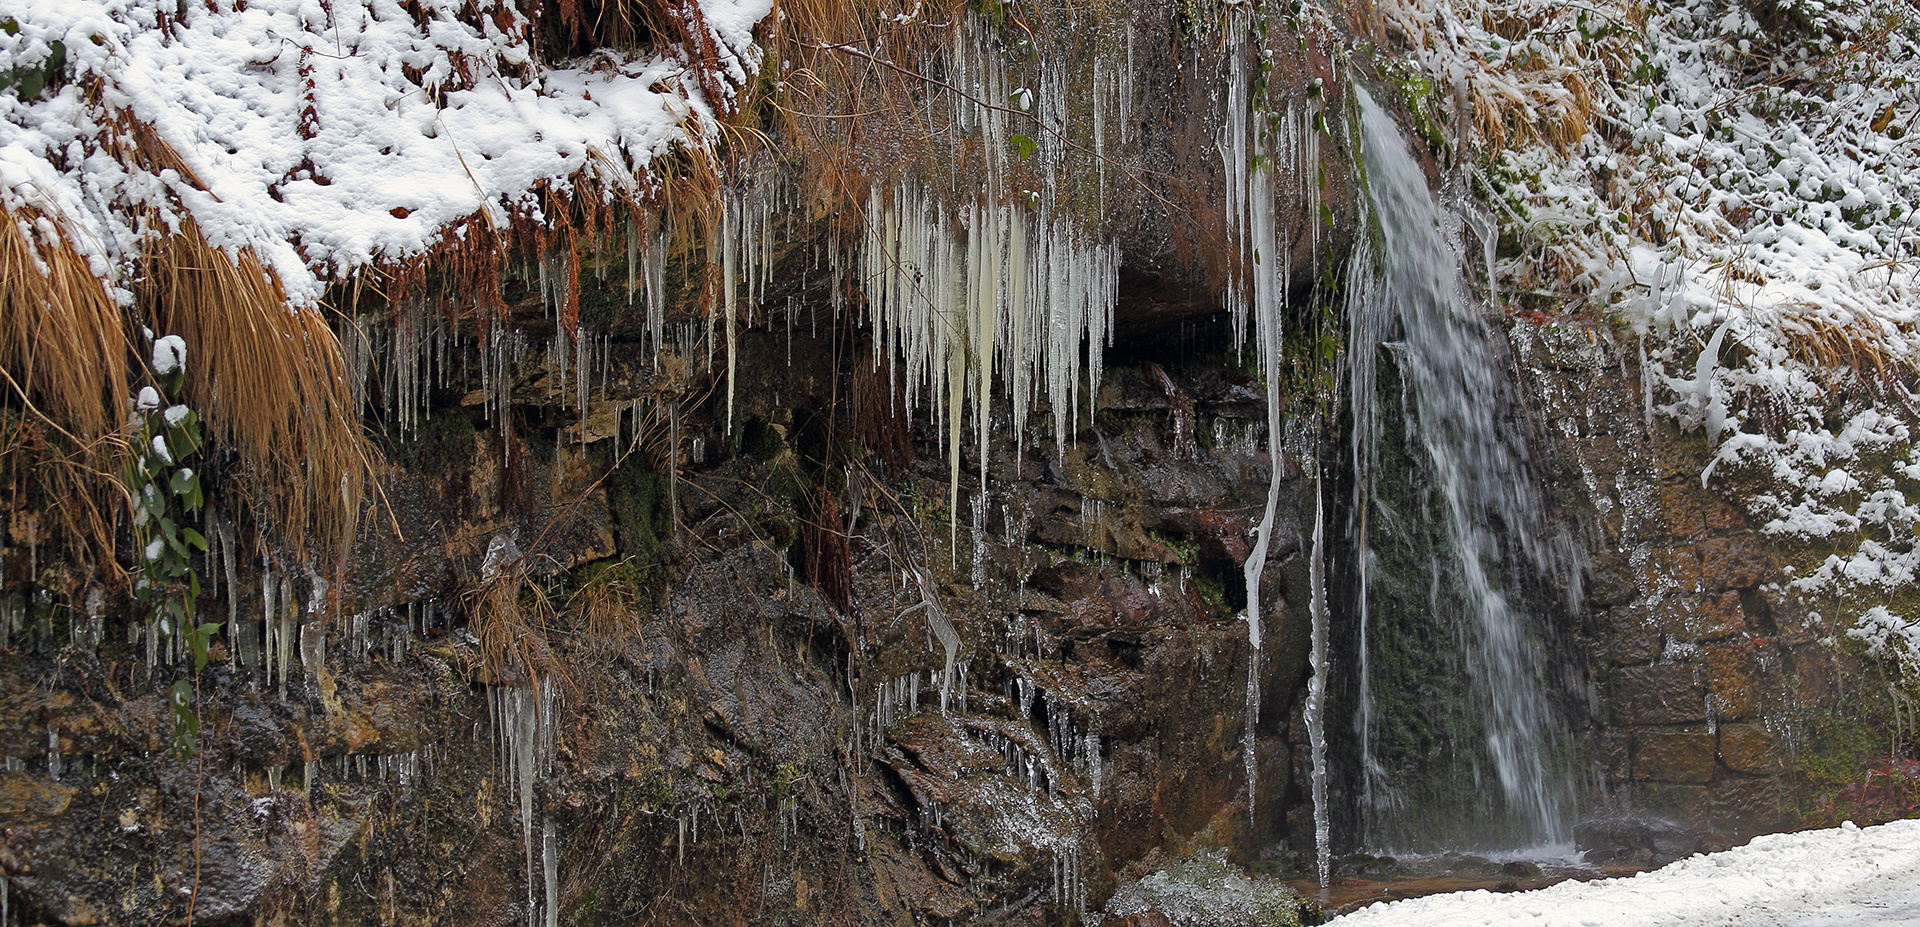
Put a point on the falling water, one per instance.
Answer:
(1408, 301)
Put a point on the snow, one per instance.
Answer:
(330, 136)
(169, 355)
(1742, 194)
(1844, 877)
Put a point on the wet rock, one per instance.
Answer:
(1068, 580)
(1204, 890)
(1743, 807)
(1702, 618)
(25, 797)
(1735, 562)
(1520, 869)
(1751, 748)
(1663, 693)
(1610, 580)
(1673, 756)
(1734, 677)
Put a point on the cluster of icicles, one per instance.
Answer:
(953, 291)
(1261, 153)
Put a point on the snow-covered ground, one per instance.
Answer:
(1851, 876)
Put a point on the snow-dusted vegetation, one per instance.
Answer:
(326, 137)
(1735, 181)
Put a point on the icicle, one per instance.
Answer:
(729, 217)
(580, 368)
(1315, 710)
(1033, 295)
(268, 627)
(941, 627)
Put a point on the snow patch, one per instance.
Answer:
(1848, 875)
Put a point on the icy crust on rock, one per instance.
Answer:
(1745, 202)
(1204, 890)
(330, 136)
(1844, 876)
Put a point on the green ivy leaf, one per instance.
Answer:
(186, 724)
(195, 538)
(1022, 144)
(197, 642)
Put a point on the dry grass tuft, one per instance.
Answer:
(1857, 345)
(606, 607)
(63, 354)
(268, 380)
(1525, 71)
(511, 617)
(62, 345)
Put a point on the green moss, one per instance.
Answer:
(642, 520)
(603, 302)
(780, 532)
(443, 445)
(761, 441)
(1218, 595)
(1414, 92)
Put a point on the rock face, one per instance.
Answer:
(726, 743)
(682, 621)
(1713, 685)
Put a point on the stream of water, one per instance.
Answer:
(1419, 356)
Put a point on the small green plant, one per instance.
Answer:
(28, 82)
(166, 496)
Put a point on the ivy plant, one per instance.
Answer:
(167, 498)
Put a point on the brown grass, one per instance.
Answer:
(268, 380)
(64, 359)
(62, 345)
(511, 617)
(1552, 96)
(606, 607)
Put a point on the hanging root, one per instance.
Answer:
(828, 564)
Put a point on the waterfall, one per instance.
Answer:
(1446, 529)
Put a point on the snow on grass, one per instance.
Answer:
(1860, 877)
(329, 136)
(1745, 199)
